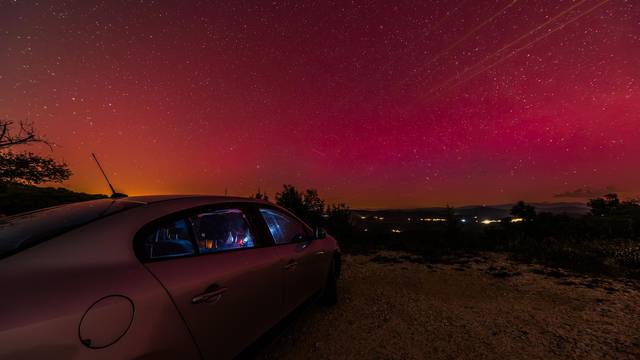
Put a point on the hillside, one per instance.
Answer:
(17, 198)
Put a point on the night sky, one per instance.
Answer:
(377, 104)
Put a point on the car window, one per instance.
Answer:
(284, 228)
(222, 230)
(169, 240)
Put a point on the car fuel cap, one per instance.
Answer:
(106, 321)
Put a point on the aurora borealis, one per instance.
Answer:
(377, 104)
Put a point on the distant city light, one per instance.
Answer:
(515, 220)
(433, 219)
(463, 220)
(395, 231)
(489, 221)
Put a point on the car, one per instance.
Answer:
(156, 277)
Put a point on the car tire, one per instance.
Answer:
(329, 296)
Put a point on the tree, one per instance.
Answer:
(453, 225)
(291, 200)
(25, 135)
(606, 205)
(524, 211)
(308, 205)
(339, 221)
(261, 196)
(26, 167)
(313, 207)
(29, 168)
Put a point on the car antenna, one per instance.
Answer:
(114, 194)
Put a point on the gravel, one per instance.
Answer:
(483, 307)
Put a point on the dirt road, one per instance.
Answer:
(483, 307)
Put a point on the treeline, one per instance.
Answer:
(308, 206)
(607, 240)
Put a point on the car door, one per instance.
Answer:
(227, 283)
(298, 254)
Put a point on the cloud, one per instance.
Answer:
(587, 192)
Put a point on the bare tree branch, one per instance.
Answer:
(25, 135)
(5, 127)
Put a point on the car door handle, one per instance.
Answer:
(212, 295)
(291, 265)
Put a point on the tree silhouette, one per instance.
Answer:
(291, 199)
(308, 205)
(338, 221)
(604, 206)
(24, 135)
(26, 167)
(261, 196)
(452, 233)
(313, 206)
(29, 168)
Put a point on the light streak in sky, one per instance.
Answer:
(526, 46)
(499, 51)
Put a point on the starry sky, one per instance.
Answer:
(374, 103)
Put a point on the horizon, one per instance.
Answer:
(377, 105)
(574, 203)
(413, 208)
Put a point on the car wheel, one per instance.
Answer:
(329, 295)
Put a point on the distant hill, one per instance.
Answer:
(17, 198)
(491, 211)
(560, 208)
(503, 210)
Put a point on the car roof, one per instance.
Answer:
(24, 230)
(150, 199)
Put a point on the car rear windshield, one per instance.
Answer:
(21, 231)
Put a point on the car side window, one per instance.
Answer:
(169, 240)
(221, 230)
(284, 228)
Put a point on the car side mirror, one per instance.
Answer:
(320, 233)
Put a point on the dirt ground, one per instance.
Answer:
(392, 306)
